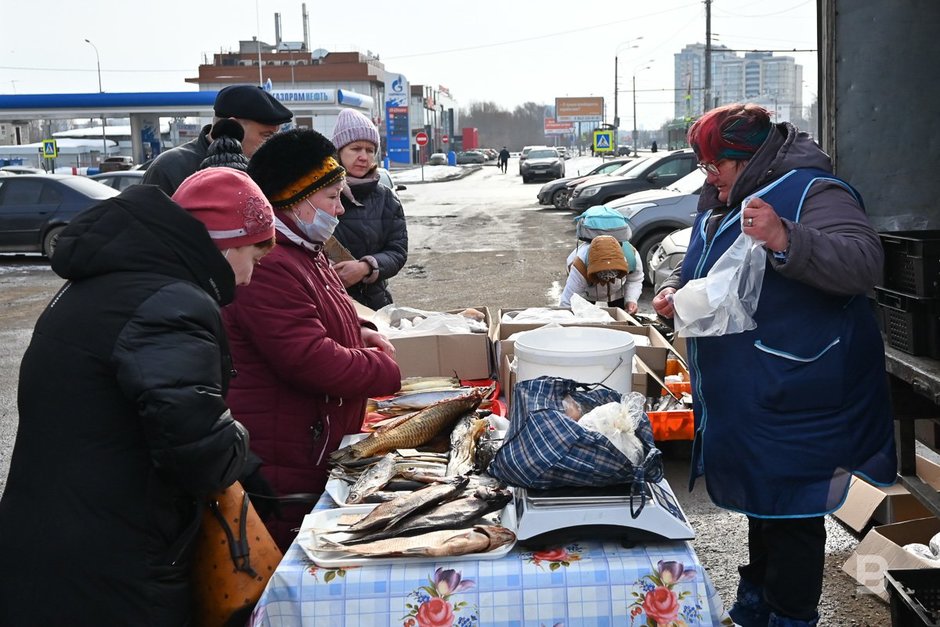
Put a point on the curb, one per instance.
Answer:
(465, 170)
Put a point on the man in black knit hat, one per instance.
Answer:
(260, 115)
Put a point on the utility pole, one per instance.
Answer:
(616, 91)
(706, 105)
(104, 135)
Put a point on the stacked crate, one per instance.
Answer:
(909, 301)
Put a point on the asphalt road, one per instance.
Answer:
(477, 241)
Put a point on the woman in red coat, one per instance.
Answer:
(305, 361)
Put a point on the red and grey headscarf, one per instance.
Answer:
(733, 131)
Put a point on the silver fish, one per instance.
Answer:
(371, 480)
(417, 400)
(391, 512)
(445, 543)
(449, 515)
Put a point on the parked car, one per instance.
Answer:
(562, 151)
(21, 169)
(113, 164)
(470, 156)
(119, 180)
(542, 163)
(385, 178)
(437, 158)
(34, 208)
(556, 192)
(656, 171)
(656, 213)
(665, 257)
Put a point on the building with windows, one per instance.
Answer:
(774, 82)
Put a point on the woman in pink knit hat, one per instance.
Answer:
(373, 226)
(123, 427)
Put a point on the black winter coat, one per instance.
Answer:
(123, 430)
(377, 228)
(171, 168)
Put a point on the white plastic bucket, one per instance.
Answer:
(583, 354)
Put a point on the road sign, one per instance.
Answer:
(603, 141)
(421, 139)
(445, 139)
(49, 149)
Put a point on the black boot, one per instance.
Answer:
(750, 609)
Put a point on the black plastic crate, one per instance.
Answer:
(914, 596)
(912, 262)
(910, 323)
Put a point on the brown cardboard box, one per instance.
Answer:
(882, 549)
(867, 503)
(469, 355)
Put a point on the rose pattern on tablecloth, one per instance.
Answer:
(557, 557)
(330, 573)
(432, 606)
(658, 604)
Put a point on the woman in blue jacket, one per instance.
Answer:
(787, 412)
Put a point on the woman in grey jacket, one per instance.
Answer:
(373, 226)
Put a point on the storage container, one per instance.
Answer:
(912, 262)
(675, 424)
(909, 322)
(914, 596)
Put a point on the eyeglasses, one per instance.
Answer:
(709, 168)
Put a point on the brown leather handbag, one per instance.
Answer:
(234, 559)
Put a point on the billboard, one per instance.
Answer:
(587, 109)
(558, 128)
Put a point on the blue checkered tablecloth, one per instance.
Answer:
(584, 583)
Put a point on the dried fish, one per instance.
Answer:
(449, 515)
(485, 452)
(415, 384)
(463, 443)
(371, 480)
(391, 512)
(417, 400)
(419, 429)
(446, 543)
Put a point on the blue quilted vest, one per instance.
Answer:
(787, 412)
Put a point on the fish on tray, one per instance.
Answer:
(390, 512)
(372, 480)
(444, 543)
(416, 400)
(417, 384)
(448, 515)
(415, 431)
(463, 444)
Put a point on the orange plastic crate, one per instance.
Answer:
(676, 424)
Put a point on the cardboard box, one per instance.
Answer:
(866, 503)
(882, 549)
(469, 355)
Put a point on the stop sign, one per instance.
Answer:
(421, 139)
(444, 139)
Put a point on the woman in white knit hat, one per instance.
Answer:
(373, 226)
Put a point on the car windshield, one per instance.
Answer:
(543, 154)
(691, 183)
(629, 166)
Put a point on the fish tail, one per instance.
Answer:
(372, 406)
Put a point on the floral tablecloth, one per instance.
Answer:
(584, 583)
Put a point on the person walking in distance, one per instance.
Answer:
(504, 160)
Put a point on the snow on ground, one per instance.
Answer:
(575, 166)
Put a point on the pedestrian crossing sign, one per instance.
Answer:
(603, 141)
(49, 149)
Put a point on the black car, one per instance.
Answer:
(542, 163)
(35, 208)
(655, 171)
(556, 192)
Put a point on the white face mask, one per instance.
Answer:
(322, 226)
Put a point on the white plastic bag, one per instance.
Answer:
(724, 301)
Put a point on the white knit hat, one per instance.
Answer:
(353, 126)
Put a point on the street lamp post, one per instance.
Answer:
(635, 134)
(104, 135)
(626, 44)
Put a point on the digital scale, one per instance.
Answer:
(564, 514)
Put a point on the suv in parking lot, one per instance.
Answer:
(112, 164)
(653, 172)
(542, 163)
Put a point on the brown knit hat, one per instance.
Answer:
(605, 253)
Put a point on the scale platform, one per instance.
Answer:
(565, 514)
